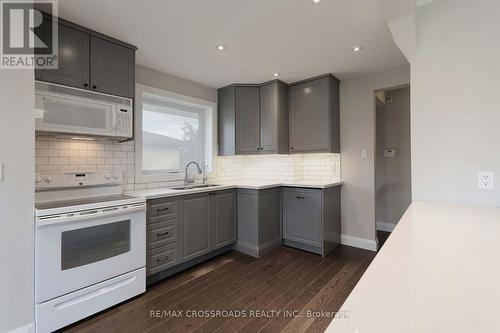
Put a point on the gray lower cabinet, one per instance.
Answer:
(162, 235)
(311, 219)
(302, 216)
(183, 231)
(259, 220)
(195, 227)
(224, 219)
(315, 115)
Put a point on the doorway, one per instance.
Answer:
(392, 159)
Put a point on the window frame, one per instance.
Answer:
(209, 131)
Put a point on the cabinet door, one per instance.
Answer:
(302, 216)
(224, 223)
(112, 68)
(269, 117)
(247, 120)
(226, 121)
(195, 226)
(310, 116)
(73, 60)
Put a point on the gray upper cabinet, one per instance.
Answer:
(224, 219)
(195, 226)
(253, 119)
(226, 133)
(274, 118)
(247, 119)
(314, 116)
(112, 68)
(73, 61)
(89, 60)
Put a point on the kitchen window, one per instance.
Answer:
(171, 131)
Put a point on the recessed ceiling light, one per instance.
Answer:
(221, 47)
(276, 74)
(357, 49)
(316, 1)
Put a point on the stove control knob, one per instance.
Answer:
(38, 179)
(116, 175)
(107, 175)
(47, 179)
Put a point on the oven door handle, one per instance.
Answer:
(88, 214)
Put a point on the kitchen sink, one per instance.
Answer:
(191, 187)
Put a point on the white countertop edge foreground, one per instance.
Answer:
(437, 272)
(163, 192)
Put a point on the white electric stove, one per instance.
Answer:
(90, 245)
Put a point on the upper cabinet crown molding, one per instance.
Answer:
(90, 60)
(279, 118)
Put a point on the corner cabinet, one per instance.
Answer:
(253, 119)
(315, 116)
(90, 60)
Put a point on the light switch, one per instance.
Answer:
(364, 153)
(1, 171)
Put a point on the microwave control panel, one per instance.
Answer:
(124, 116)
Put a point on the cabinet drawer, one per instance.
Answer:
(162, 233)
(163, 208)
(162, 258)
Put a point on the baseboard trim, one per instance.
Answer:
(257, 251)
(30, 328)
(362, 243)
(384, 226)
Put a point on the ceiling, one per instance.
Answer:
(292, 37)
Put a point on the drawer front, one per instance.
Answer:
(162, 258)
(165, 208)
(162, 233)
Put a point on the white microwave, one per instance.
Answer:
(66, 110)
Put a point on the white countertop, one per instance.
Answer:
(439, 271)
(164, 192)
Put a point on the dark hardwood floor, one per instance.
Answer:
(382, 237)
(286, 280)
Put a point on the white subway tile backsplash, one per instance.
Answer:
(61, 154)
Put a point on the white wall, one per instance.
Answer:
(456, 101)
(393, 174)
(17, 131)
(357, 131)
(160, 80)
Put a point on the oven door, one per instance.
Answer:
(75, 253)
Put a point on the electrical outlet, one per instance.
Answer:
(485, 180)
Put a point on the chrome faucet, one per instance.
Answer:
(188, 180)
